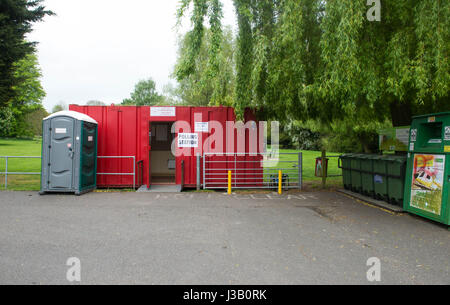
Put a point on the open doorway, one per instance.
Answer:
(163, 165)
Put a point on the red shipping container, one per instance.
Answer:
(146, 133)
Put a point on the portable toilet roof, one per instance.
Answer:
(73, 114)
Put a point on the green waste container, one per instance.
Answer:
(345, 165)
(396, 170)
(427, 187)
(355, 164)
(367, 181)
(380, 178)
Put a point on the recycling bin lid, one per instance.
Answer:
(369, 156)
(373, 157)
(396, 158)
(379, 157)
(360, 156)
(349, 155)
(432, 114)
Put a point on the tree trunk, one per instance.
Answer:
(401, 113)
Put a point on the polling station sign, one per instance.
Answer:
(188, 140)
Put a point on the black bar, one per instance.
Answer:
(182, 175)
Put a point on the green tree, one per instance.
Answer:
(325, 61)
(145, 94)
(28, 94)
(61, 106)
(244, 56)
(294, 64)
(211, 9)
(16, 19)
(7, 122)
(95, 103)
(171, 94)
(394, 68)
(34, 119)
(200, 88)
(28, 91)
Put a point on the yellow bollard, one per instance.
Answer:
(280, 183)
(229, 182)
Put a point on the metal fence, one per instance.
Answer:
(249, 171)
(121, 174)
(6, 173)
(7, 158)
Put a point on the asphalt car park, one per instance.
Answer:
(213, 238)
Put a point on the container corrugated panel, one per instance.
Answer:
(118, 136)
(124, 131)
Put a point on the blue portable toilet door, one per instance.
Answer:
(61, 153)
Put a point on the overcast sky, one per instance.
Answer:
(99, 49)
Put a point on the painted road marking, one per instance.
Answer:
(252, 197)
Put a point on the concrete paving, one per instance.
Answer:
(374, 202)
(211, 238)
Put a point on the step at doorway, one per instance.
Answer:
(170, 188)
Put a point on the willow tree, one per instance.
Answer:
(244, 57)
(198, 88)
(203, 10)
(295, 60)
(277, 53)
(325, 60)
(256, 20)
(394, 68)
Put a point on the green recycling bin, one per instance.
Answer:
(428, 170)
(380, 178)
(345, 165)
(367, 181)
(355, 164)
(396, 170)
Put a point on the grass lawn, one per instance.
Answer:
(309, 162)
(12, 147)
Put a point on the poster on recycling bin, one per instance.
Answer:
(427, 183)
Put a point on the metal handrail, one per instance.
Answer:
(121, 174)
(6, 173)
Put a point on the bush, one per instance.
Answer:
(305, 139)
(7, 122)
(295, 136)
(346, 137)
(25, 124)
(33, 121)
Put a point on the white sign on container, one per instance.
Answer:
(447, 133)
(201, 127)
(162, 111)
(188, 140)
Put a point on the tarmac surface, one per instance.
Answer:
(212, 238)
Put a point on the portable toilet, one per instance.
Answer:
(69, 153)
